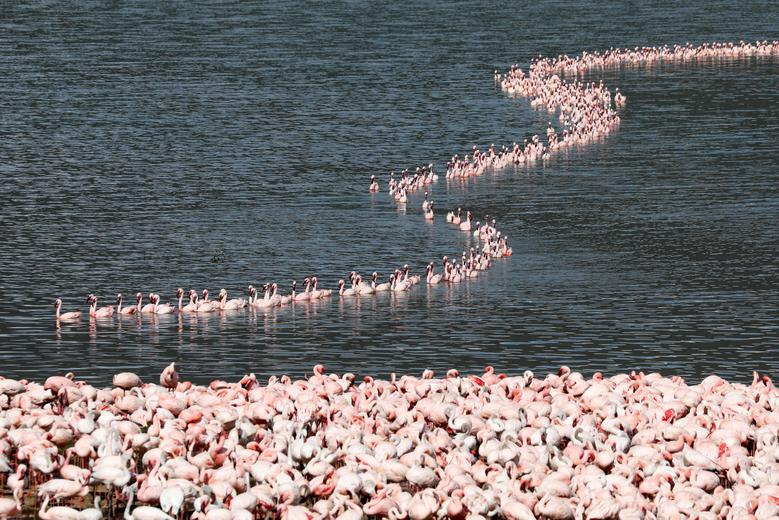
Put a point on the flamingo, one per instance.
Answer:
(265, 301)
(235, 303)
(456, 219)
(64, 316)
(381, 287)
(345, 292)
(102, 312)
(275, 299)
(205, 305)
(433, 279)
(191, 306)
(161, 308)
(302, 297)
(323, 293)
(10, 508)
(148, 308)
(362, 287)
(466, 226)
(57, 512)
(413, 279)
(374, 185)
(429, 215)
(124, 311)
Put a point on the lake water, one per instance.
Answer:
(139, 142)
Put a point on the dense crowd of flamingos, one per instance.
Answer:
(631, 446)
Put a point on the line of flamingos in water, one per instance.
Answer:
(632, 446)
(472, 263)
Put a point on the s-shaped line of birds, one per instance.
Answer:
(587, 112)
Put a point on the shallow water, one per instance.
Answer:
(142, 142)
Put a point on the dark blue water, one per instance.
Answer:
(141, 142)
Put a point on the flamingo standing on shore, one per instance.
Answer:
(429, 215)
(11, 507)
(64, 316)
(169, 378)
(466, 226)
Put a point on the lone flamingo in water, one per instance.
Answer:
(64, 316)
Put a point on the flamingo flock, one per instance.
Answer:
(630, 446)
(492, 445)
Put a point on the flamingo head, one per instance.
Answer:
(205, 294)
(341, 283)
(252, 291)
(273, 287)
(392, 278)
(307, 281)
(374, 276)
(294, 284)
(139, 297)
(314, 281)
(119, 298)
(91, 298)
(179, 292)
(58, 302)
(222, 293)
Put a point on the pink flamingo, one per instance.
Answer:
(148, 308)
(302, 297)
(64, 316)
(169, 378)
(123, 311)
(379, 287)
(191, 306)
(343, 291)
(323, 293)
(433, 279)
(466, 226)
(102, 312)
(159, 308)
(10, 508)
